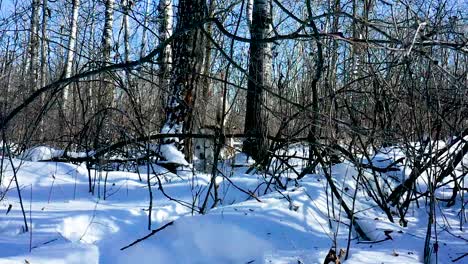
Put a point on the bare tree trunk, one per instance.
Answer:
(332, 76)
(145, 29)
(8, 70)
(44, 43)
(314, 130)
(260, 77)
(354, 48)
(92, 91)
(334, 51)
(33, 67)
(34, 45)
(107, 33)
(44, 53)
(248, 12)
(189, 51)
(165, 58)
(105, 93)
(206, 85)
(126, 9)
(107, 47)
(71, 49)
(126, 5)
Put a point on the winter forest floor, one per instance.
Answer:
(298, 225)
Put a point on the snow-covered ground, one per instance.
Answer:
(67, 224)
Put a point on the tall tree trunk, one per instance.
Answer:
(334, 49)
(248, 13)
(202, 104)
(165, 58)
(107, 32)
(71, 49)
(44, 42)
(145, 29)
(314, 131)
(126, 6)
(189, 51)
(140, 87)
(107, 92)
(34, 45)
(33, 71)
(8, 69)
(332, 76)
(92, 91)
(126, 9)
(260, 77)
(44, 53)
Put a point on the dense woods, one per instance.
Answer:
(185, 82)
(329, 70)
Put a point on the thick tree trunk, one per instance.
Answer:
(189, 51)
(260, 77)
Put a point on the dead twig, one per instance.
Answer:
(147, 236)
(460, 257)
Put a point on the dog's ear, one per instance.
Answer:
(331, 257)
(341, 254)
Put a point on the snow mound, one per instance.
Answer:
(40, 153)
(10, 228)
(172, 155)
(64, 253)
(382, 256)
(241, 159)
(86, 229)
(377, 229)
(198, 240)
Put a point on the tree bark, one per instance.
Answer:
(44, 43)
(34, 45)
(107, 33)
(145, 29)
(105, 95)
(165, 58)
(202, 104)
(248, 12)
(260, 77)
(107, 91)
(126, 6)
(71, 49)
(189, 51)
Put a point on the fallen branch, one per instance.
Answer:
(460, 257)
(153, 232)
(401, 189)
